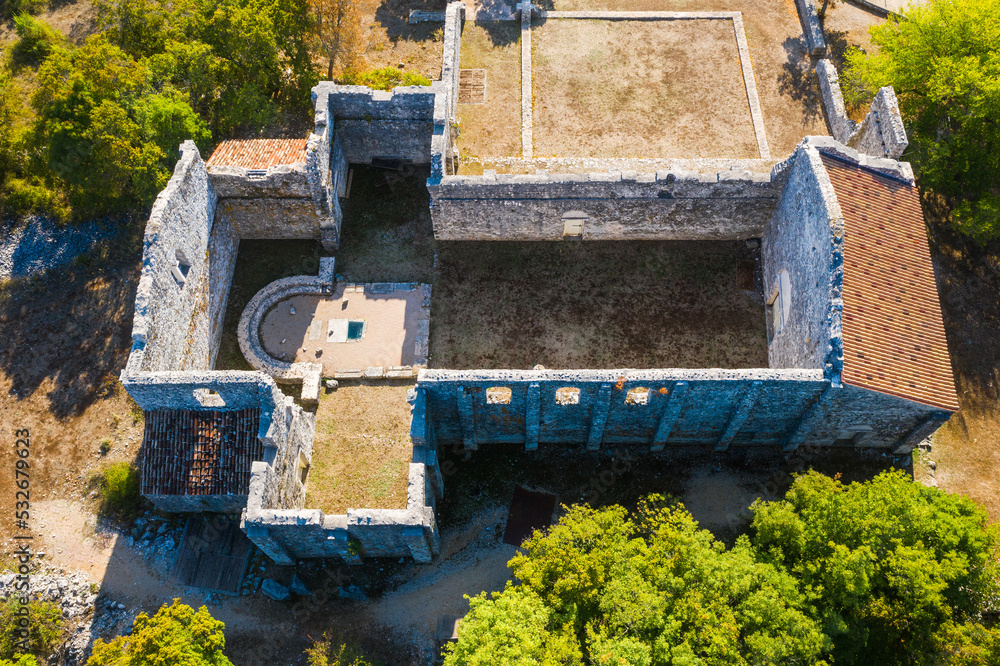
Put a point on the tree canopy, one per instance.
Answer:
(886, 572)
(177, 635)
(943, 59)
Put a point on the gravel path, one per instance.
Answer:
(39, 244)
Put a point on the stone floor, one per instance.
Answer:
(392, 319)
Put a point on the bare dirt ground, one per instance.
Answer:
(75, 20)
(594, 305)
(965, 453)
(639, 89)
(362, 449)
(492, 129)
(786, 83)
(391, 41)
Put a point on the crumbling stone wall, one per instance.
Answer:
(184, 260)
(805, 238)
(666, 205)
(717, 408)
(880, 134)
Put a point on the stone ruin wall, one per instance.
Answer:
(287, 532)
(880, 134)
(177, 325)
(666, 205)
(717, 408)
(805, 238)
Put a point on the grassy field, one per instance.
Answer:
(597, 95)
(492, 129)
(362, 449)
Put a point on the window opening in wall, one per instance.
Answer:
(851, 436)
(303, 468)
(181, 267)
(568, 395)
(637, 396)
(209, 398)
(778, 305)
(498, 395)
(573, 222)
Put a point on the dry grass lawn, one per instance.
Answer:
(594, 304)
(492, 129)
(639, 89)
(362, 449)
(786, 83)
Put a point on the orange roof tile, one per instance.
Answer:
(259, 153)
(893, 332)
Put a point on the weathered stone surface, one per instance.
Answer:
(299, 587)
(275, 590)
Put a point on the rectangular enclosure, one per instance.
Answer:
(668, 88)
(500, 305)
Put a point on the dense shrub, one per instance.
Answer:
(328, 652)
(36, 39)
(23, 195)
(44, 629)
(176, 635)
(884, 572)
(385, 78)
(119, 488)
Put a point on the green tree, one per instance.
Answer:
(943, 60)
(895, 570)
(107, 132)
(177, 635)
(44, 625)
(23, 660)
(601, 587)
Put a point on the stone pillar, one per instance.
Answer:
(468, 419)
(812, 416)
(413, 536)
(531, 414)
(671, 411)
(747, 399)
(600, 417)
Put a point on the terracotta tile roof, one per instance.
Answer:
(894, 339)
(188, 452)
(259, 153)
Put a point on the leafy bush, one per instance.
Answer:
(24, 195)
(324, 653)
(36, 39)
(385, 78)
(120, 491)
(23, 660)
(943, 60)
(44, 624)
(177, 634)
(883, 572)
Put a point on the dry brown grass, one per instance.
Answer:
(966, 450)
(362, 449)
(639, 89)
(493, 129)
(594, 305)
(786, 83)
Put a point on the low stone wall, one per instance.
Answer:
(812, 27)
(880, 134)
(667, 205)
(287, 533)
(662, 408)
